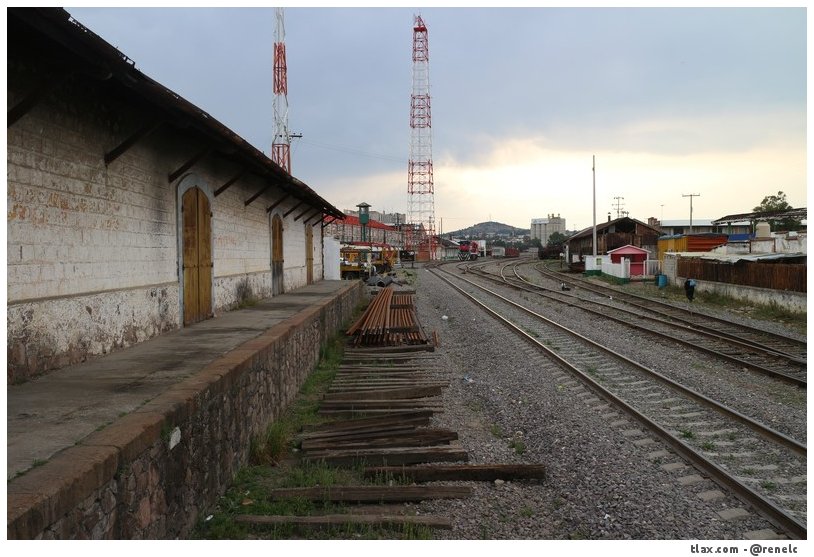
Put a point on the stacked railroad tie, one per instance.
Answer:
(381, 402)
(389, 320)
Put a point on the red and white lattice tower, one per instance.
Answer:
(281, 144)
(419, 170)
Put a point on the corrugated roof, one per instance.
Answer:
(800, 213)
(352, 220)
(735, 257)
(628, 249)
(695, 235)
(685, 222)
(603, 225)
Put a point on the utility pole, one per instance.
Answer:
(691, 195)
(593, 169)
(619, 206)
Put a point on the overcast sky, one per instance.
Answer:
(708, 101)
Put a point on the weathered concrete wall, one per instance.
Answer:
(55, 332)
(294, 253)
(93, 249)
(330, 258)
(152, 473)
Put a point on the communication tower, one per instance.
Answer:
(281, 144)
(419, 170)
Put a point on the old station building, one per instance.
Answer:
(131, 211)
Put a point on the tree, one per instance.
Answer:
(556, 239)
(776, 203)
(772, 203)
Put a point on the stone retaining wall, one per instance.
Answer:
(151, 473)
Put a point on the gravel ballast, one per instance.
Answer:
(606, 478)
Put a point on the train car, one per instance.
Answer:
(512, 252)
(468, 251)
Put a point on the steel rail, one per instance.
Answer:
(390, 319)
(643, 301)
(558, 297)
(768, 509)
(769, 433)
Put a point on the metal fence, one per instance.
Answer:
(777, 276)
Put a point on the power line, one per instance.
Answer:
(353, 151)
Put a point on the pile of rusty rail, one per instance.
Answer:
(389, 320)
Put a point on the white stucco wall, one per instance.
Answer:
(330, 254)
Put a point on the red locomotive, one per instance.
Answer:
(468, 251)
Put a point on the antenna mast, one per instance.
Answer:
(281, 144)
(419, 170)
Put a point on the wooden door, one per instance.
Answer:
(309, 254)
(276, 255)
(197, 265)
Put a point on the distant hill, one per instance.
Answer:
(489, 229)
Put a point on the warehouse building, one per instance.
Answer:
(131, 211)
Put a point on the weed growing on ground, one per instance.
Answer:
(270, 469)
(517, 443)
(768, 486)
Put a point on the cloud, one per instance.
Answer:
(671, 101)
(521, 179)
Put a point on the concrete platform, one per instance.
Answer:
(59, 410)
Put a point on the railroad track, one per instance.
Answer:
(781, 345)
(744, 352)
(761, 466)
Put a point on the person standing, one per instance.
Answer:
(689, 288)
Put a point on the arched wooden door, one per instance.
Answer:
(276, 255)
(197, 264)
(309, 254)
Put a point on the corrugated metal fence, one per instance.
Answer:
(778, 276)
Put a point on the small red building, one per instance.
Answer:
(637, 257)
